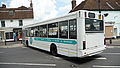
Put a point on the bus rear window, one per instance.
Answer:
(94, 25)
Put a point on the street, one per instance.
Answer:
(27, 57)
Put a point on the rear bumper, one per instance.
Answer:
(91, 52)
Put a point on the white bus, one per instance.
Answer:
(77, 34)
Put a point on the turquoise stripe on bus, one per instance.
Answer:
(73, 42)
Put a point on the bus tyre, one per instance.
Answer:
(53, 50)
(26, 44)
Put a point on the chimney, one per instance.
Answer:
(3, 6)
(73, 3)
(31, 4)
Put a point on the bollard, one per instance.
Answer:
(21, 41)
(110, 41)
(5, 42)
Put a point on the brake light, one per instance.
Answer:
(102, 17)
(104, 41)
(84, 45)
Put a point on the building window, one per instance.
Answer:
(11, 20)
(11, 12)
(20, 22)
(2, 23)
(9, 35)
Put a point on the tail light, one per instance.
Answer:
(102, 17)
(84, 45)
(104, 41)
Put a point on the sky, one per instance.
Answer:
(43, 9)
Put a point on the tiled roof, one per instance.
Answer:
(16, 13)
(106, 5)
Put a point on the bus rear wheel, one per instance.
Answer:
(53, 50)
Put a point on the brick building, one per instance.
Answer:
(13, 19)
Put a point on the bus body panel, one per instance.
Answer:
(64, 47)
(80, 32)
(93, 40)
(91, 52)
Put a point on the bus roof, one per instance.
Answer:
(56, 19)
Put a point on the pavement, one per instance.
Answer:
(115, 42)
(10, 44)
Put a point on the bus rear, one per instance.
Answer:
(93, 34)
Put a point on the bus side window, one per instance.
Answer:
(43, 31)
(36, 33)
(27, 32)
(73, 29)
(31, 33)
(53, 30)
(63, 29)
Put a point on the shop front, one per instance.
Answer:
(2, 35)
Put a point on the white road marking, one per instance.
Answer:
(31, 64)
(113, 46)
(110, 47)
(111, 53)
(56, 57)
(24, 47)
(101, 58)
(106, 66)
(1, 52)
